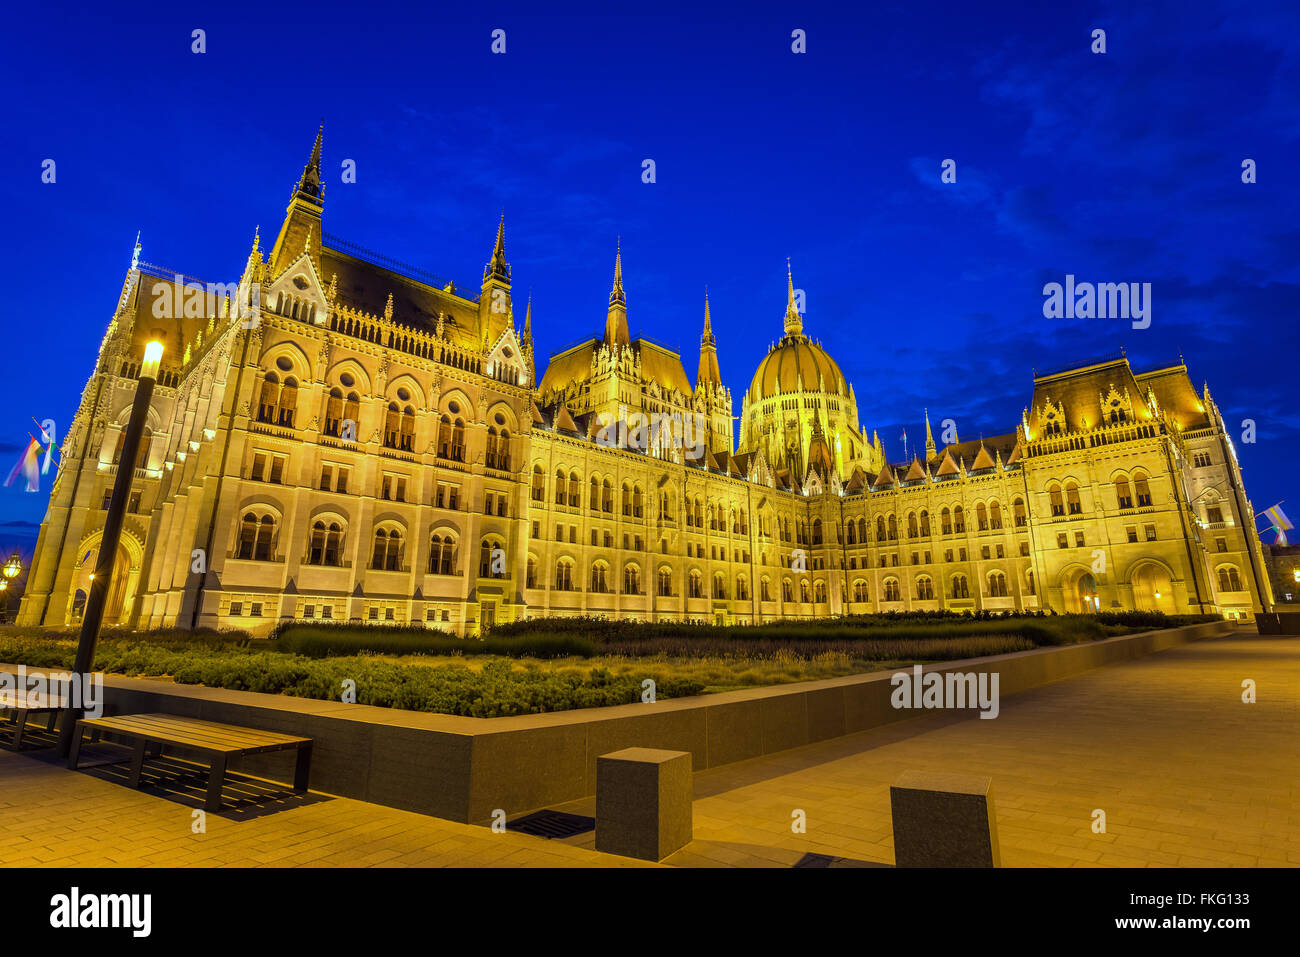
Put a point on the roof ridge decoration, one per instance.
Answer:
(793, 321)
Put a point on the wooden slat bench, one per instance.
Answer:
(218, 743)
(50, 704)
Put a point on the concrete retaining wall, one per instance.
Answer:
(464, 768)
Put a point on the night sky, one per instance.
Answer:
(1124, 166)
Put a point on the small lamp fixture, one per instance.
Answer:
(1296, 574)
(153, 352)
(13, 568)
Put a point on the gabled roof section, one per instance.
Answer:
(885, 478)
(982, 459)
(915, 473)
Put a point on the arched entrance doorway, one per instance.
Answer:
(1152, 588)
(1080, 593)
(121, 588)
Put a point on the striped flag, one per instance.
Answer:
(1278, 518)
(1281, 537)
(29, 465)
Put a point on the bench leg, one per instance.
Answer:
(20, 722)
(52, 721)
(302, 769)
(76, 746)
(216, 777)
(137, 763)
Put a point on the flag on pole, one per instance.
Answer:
(1278, 518)
(1281, 537)
(28, 465)
(49, 448)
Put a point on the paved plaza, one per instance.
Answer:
(1185, 772)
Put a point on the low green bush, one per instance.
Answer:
(324, 641)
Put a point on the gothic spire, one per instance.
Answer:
(497, 268)
(793, 321)
(929, 437)
(616, 294)
(708, 371)
(309, 184)
(616, 319)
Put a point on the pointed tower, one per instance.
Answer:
(526, 340)
(709, 388)
(819, 453)
(929, 438)
(793, 321)
(494, 305)
(709, 374)
(616, 318)
(302, 222)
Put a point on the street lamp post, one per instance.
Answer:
(112, 536)
(12, 569)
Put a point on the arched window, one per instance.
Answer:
(491, 559)
(442, 554)
(997, 585)
(995, 515)
(1229, 578)
(787, 590)
(925, 588)
(1123, 493)
(406, 441)
(945, 521)
(817, 531)
(632, 580)
(819, 591)
(444, 437)
(458, 441)
(316, 545)
(665, 582)
(142, 454)
(960, 589)
(852, 529)
(695, 587)
(742, 588)
(392, 426)
(1029, 581)
(981, 517)
(599, 578)
(925, 524)
(636, 501)
(860, 591)
(575, 490)
(862, 530)
(892, 592)
(561, 486)
(912, 528)
(531, 580)
(387, 554)
(765, 589)
(880, 528)
(333, 412)
(269, 400)
(1072, 504)
(539, 484)
(1058, 504)
(288, 403)
(958, 520)
(564, 575)
(699, 513)
(247, 536)
(1142, 490)
(803, 591)
(719, 586)
(607, 497)
(893, 528)
(1018, 510)
(594, 496)
(351, 417)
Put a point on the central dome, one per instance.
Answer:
(797, 364)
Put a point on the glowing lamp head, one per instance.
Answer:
(152, 359)
(13, 566)
(1296, 574)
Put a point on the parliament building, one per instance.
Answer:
(339, 436)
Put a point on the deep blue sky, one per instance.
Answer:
(1115, 167)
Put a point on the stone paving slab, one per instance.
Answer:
(1187, 774)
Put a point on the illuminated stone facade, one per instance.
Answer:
(338, 436)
